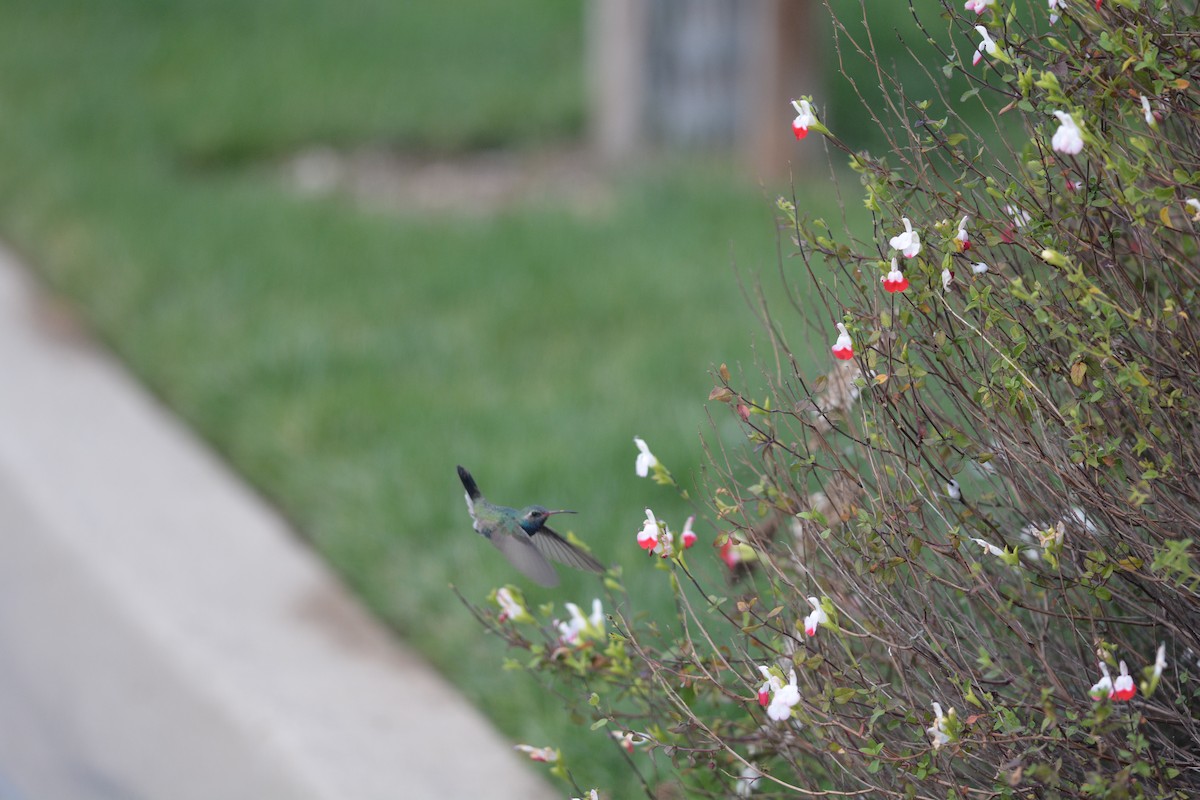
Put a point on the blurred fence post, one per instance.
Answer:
(712, 74)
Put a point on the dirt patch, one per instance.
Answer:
(476, 184)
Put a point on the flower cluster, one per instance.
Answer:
(546, 755)
(579, 629)
(777, 697)
(1120, 690)
(655, 537)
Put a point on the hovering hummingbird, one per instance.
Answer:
(522, 536)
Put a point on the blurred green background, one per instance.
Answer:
(345, 359)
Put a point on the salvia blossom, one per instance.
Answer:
(629, 739)
(545, 754)
(816, 618)
(1160, 661)
(894, 281)
(804, 118)
(1120, 690)
(592, 795)
(647, 537)
(734, 552)
(1194, 205)
(1148, 113)
(1123, 687)
(953, 490)
(573, 631)
(771, 684)
(688, 537)
(963, 238)
(979, 268)
(1020, 216)
(843, 348)
(1054, 4)
(1068, 138)
(907, 241)
(645, 460)
(939, 731)
(1098, 4)
(947, 279)
(510, 606)
(989, 548)
(1104, 687)
(747, 782)
(783, 696)
(988, 45)
(978, 6)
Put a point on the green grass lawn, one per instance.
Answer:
(344, 361)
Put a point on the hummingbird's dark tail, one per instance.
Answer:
(469, 484)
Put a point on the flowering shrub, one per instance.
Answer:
(989, 490)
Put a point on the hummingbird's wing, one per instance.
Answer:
(553, 546)
(521, 553)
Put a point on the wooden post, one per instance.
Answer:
(701, 74)
(617, 44)
(783, 64)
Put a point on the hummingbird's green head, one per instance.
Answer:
(533, 518)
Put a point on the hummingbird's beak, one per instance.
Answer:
(561, 511)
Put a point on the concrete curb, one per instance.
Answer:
(162, 623)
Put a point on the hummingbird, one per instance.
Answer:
(522, 536)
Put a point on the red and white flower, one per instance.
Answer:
(978, 6)
(1123, 687)
(592, 795)
(769, 686)
(647, 537)
(963, 238)
(1194, 205)
(979, 268)
(1054, 4)
(894, 281)
(510, 606)
(843, 348)
(1120, 690)
(546, 755)
(629, 739)
(783, 697)
(988, 45)
(816, 618)
(734, 552)
(804, 118)
(645, 459)
(947, 279)
(688, 537)
(907, 241)
(1069, 137)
